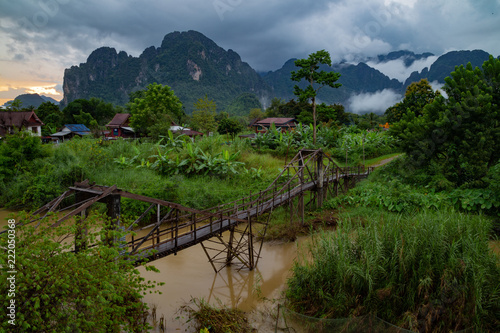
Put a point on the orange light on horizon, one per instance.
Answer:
(47, 90)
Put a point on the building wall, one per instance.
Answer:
(35, 130)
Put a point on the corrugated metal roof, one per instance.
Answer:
(62, 133)
(77, 128)
(276, 121)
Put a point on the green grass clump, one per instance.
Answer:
(430, 272)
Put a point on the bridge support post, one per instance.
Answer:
(229, 256)
(81, 227)
(300, 203)
(320, 180)
(114, 209)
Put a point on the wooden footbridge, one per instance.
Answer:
(311, 176)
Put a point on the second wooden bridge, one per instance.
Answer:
(311, 175)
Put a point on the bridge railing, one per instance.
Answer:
(302, 169)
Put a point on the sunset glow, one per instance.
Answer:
(49, 90)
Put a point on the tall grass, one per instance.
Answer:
(431, 272)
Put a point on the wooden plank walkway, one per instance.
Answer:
(202, 233)
(177, 227)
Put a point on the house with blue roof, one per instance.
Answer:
(69, 131)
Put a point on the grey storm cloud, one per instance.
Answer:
(264, 33)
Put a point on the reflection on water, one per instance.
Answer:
(190, 275)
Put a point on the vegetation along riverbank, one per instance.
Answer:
(412, 244)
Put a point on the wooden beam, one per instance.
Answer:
(89, 203)
(173, 205)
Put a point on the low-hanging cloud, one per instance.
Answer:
(376, 102)
(39, 39)
(396, 69)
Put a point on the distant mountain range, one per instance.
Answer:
(195, 66)
(34, 100)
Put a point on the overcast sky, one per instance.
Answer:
(40, 38)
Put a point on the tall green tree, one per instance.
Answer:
(457, 137)
(98, 110)
(316, 79)
(158, 107)
(204, 113)
(417, 96)
(273, 110)
(51, 116)
(229, 126)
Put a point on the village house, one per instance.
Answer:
(176, 129)
(13, 121)
(283, 124)
(69, 131)
(119, 126)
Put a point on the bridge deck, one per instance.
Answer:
(202, 233)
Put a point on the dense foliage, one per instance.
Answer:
(51, 116)
(390, 188)
(457, 137)
(56, 290)
(417, 96)
(349, 143)
(199, 175)
(154, 113)
(429, 272)
(92, 113)
(203, 118)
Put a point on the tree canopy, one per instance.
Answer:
(230, 126)
(417, 96)
(91, 113)
(457, 137)
(309, 71)
(154, 112)
(51, 116)
(204, 113)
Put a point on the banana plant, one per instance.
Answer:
(173, 141)
(123, 161)
(161, 163)
(193, 154)
(144, 163)
(207, 163)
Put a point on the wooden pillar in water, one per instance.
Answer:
(229, 257)
(114, 211)
(81, 228)
(301, 195)
(320, 175)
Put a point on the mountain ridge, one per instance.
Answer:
(194, 66)
(34, 100)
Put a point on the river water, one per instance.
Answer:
(189, 274)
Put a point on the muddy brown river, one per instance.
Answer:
(190, 275)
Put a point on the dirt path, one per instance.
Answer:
(387, 160)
